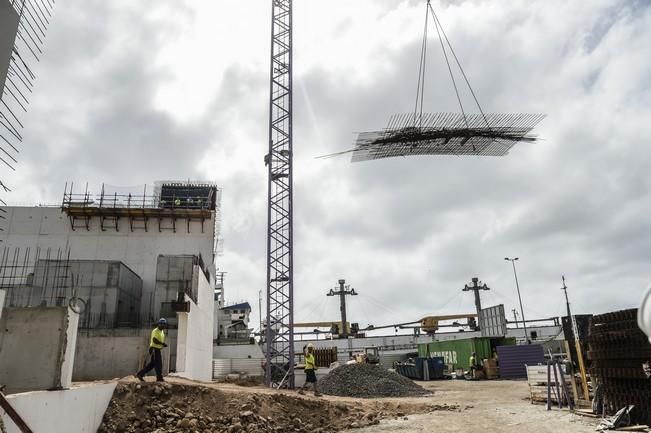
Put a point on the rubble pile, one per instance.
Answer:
(368, 381)
(172, 407)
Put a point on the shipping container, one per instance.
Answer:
(422, 368)
(456, 353)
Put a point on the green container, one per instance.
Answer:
(456, 353)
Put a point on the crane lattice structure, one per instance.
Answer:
(279, 337)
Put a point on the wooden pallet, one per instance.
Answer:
(537, 380)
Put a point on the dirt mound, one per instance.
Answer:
(368, 381)
(171, 407)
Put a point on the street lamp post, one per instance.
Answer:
(515, 274)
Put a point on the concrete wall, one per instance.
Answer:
(194, 345)
(114, 353)
(69, 349)
(3, 294)
(47, 227)
(110, 354)
(76, 410)
(37, 348)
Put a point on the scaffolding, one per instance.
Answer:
(165, 205)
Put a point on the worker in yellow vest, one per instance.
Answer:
(310, 371)
(156, 344)
(474, 365)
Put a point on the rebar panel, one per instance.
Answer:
(33, 19)
(34, 277)
(446, 134)
(279, 338)
(617, 351)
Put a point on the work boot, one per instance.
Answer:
(140, 378)
(317, 394)
(160, 379)
(301, 392)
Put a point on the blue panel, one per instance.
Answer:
(513, 359)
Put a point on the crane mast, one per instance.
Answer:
(279, 337)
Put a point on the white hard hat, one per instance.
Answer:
(644, 314)
(310, 346)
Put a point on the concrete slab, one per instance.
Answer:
(37, 347)
(76, 410)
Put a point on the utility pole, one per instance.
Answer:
(342, 293)
(476, 288)
(260, 309)
(567, 301)
(577, 344)
(219, 285)
(517, 285)
(515, 316)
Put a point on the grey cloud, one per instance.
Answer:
(407, 233)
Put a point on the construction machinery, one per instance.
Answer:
(430, 324)
(335, 326)
(369, 355)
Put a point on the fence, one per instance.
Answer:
(249, 366)
(166, 196)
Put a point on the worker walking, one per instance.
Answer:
(473, 365)
(310, 371)
(156, 344)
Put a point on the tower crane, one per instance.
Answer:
(279, 338)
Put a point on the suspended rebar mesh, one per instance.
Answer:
(446, 134)
(420, 133)
(23, 25)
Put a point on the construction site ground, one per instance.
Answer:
(486, 406)
(454, 406)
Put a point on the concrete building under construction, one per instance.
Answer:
(121, 259)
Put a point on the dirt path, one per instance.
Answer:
(487, 406)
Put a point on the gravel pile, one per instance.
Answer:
(368, 381)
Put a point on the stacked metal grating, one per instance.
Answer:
(446, 134)
(23, 24)
(618, 349)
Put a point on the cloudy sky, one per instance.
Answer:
(129, 92)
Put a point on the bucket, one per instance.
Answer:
(644, 314)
